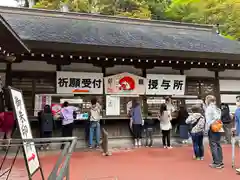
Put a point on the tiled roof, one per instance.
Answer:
(80, 29)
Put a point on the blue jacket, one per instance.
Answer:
(136, 115)
(237, 121)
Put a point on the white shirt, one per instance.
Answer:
(95, 112)
(170, 109)
(165, 121)
(67, 114)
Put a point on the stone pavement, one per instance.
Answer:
(137, 164)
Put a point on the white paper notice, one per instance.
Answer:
(25, 130)
(112, 105)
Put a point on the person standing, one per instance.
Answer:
(67, 116)
(148, 128)
(95, 116)
(213, 115)
(236, 129)
(196, 121)
(227, 121)
(7, 124)
(165, 125)
(136, 122)
(46, 124)
(168, 103)
(183, 127)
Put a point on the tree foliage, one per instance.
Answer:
(226, 13)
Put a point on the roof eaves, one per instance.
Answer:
(103, 18)
(7, 28)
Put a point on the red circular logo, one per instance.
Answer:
(127, 83)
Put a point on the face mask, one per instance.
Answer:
(238, 104)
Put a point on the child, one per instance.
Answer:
(197, 126)
(148, 128)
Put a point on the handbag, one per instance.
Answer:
(217, 126)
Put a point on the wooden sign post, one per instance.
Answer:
(29, 148)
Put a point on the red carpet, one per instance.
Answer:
(139, 164)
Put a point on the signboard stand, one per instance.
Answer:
(29, 150)
(8, 171)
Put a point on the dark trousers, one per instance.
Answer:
(137, 131)
(215, 147)
(198, 148)
(67, 131)
(149, 136)
(46, 134)
(166, 136)
(228, 132)
(184, 129)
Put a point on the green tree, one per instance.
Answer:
(48, 4)
(129, 8)
(158, 8)
(223, 12)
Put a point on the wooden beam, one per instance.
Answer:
(8, 80)
(217, 87)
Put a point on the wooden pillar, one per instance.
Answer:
(58, 67)
(104, 95)
(8, 82)
(8, 79)
(217, 86)
(33, 94)
(182, 72)
(145, 105)
(183, 101)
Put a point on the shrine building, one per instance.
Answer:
(55, 56)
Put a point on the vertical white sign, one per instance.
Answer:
(25, 130)
(112, 105)
(162, 84)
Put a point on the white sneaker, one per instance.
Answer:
(169, 147)
(165, 147)
(238, 171)
(136, 143)
(139, 142)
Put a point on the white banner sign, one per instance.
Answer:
(125, 83)
(161, 84)
(25, 131)
(79, 83)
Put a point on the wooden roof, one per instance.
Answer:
(75, 33)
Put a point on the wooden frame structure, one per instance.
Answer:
(60, 38)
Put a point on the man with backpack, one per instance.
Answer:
(227, 121)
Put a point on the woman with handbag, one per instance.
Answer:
(214, 129)
(196, 122)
